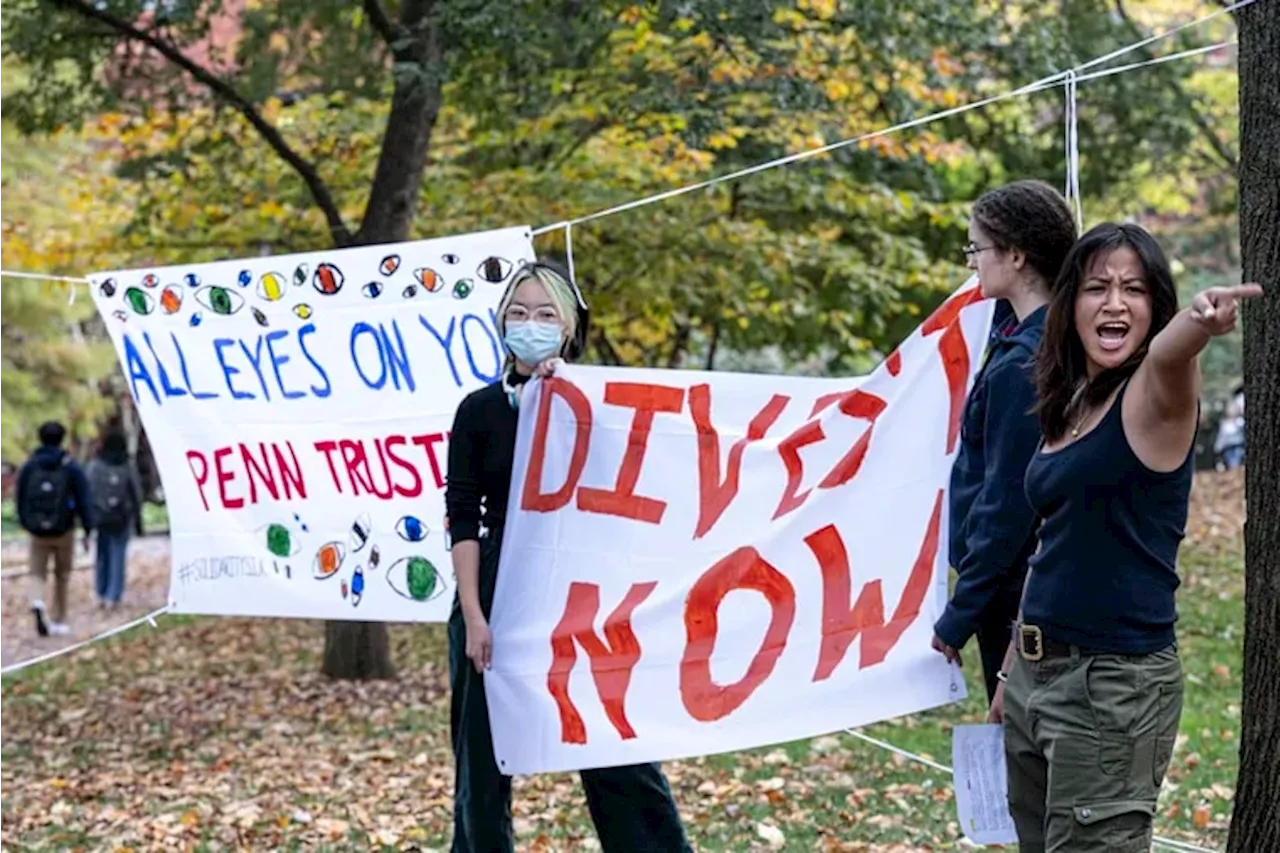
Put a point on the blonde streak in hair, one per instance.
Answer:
(561, 293)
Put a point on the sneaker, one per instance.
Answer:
(59, 629)
(42, 627)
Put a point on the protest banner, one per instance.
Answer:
(298, 408)
(705, 562)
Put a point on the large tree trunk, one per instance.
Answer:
(1255, 826)
(362, 649)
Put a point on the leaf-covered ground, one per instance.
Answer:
(216, 734)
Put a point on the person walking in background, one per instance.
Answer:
(117, 509)
(51, 493)
(1093, 697)
(1019, 236)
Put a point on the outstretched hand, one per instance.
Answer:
(1217, 308)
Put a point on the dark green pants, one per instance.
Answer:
(631, 807)
(1088, 739)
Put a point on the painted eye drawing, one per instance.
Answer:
(139, 301)
(360, 530)
(272, 286)
(494, 270)
(219, 300)
(328, 560)
(411, 529)
(327, 279)
(171, 299)
(415, 578)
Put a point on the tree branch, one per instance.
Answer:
(381, 23)
(225, 92)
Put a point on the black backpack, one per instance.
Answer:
(112, 499)
(46, 509)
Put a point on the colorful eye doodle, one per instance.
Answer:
(245, 278)
(389, 264)
(494, 270)
(328, 560)
(195, 319)
(150, 280)
(415, 578)
(410, 291)
(120, 315)
(360, 530)
(302, 311)
(411, 529)
(171, 299)
(219, 300)
(429, 279)
(300, 275)
(344, 587)
(260, 317)
(372, 290)
(280, 540)
(108, 288)
(357, 586)
(327, 279)
(450, 259)
(375, 557)
(139, 301)
(272, 286)
(191, 279)
(462, 288)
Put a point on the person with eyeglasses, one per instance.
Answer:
(543, 319)
(1019, 235)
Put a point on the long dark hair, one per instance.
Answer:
(1033, 218)
(1062, 375)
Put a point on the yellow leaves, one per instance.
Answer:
(837, 90)
(824, 10)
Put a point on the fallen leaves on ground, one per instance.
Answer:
(220, 733)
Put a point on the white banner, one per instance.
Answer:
(298, 408)
(705, 562)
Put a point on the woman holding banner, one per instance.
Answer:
(542, 317)
(1019, 235)
(1092, 703)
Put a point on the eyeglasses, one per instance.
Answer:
(972, 250)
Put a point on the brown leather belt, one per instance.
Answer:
(1033, 645)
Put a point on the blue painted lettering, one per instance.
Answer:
(446, 343)
(310, 329)
(255, 359)
(278, 361)
(137, 369)
(357, 330)
(219, 344)
(169, 389)
(186, 374)
(493, 349)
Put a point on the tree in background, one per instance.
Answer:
(1255, 824)
(241, 127)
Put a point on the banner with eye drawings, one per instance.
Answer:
(298, 408)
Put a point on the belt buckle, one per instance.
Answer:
(1030, 642)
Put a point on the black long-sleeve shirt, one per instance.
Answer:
(481, 451)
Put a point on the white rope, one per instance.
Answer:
(66, 650)
(1170, 843)
(1073, 153)
(1043, 83)
(568, 250)
(38, 276)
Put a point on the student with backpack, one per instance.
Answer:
(117, 508)
(51, 494)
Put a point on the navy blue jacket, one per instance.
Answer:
(993, 527)
(78, 497)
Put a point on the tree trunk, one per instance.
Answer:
(1255, 824)
(358, 650)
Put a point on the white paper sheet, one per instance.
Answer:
(982, 784)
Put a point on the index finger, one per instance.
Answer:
(1246, 291)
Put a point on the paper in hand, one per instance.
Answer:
(982, 784)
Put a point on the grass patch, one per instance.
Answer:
(216, 732)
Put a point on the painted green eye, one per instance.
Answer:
(415, 578)
(139, 300)
(219, 300)
(279, 540)
(462, 288)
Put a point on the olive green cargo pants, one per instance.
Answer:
(1088, 739)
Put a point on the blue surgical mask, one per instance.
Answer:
(533, 342)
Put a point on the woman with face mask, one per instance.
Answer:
(542, 318)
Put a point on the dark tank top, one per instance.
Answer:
(1105, 575)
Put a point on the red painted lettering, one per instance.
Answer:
(290, 474)
(258, 472)
(743, 569)
(225, 477)
(353, 458)
(428, 443)
(714, 494)
(789, 449)
(611, 664)
(389, 445)
(202, 477)
(533, 498)
(840, 625)
(954, 352)
(622, 499)
(855, 404)
(328, 448)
